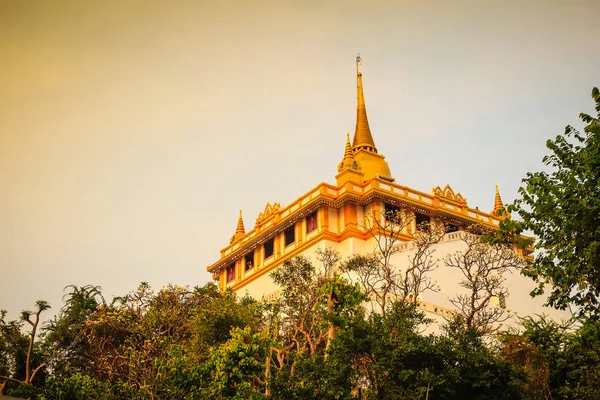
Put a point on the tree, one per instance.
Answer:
(313, 301)
(13, 350)
(237, 367)
(157, 344)
(475, 370)
(562, 208)
(65, 334)
(388, 357)
(314, 304)
(378, 277)
(483, 266)
(8, 330)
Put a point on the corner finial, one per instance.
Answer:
(498, 205)
(498, 200)
(240, 225)
(240, 231)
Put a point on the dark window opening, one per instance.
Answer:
(269, 248)
(392, 213)
(502, 300)
(311, 222)
(451, 228)
(290, 235)
(249, 261)
(231, 272)
(422, 222)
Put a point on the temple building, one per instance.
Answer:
(333, 216)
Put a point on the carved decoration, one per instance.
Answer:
(449, 194)
(349, 164)
(269, 210)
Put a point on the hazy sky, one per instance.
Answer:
(131, 132)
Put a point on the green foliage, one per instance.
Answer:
(315, 342)
(389, 358)
(13, 348)
(23, 358)
(238, 366)
(79, 387)
(214, 321)
(476, 371)
(571, 356)
(66, 332)
(581, 366)
(562, 208)
(313, 302)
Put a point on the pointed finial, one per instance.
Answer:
(240, 231)
(348, 150)
(348, 161)
(362, 135)
(498, 205)
(240, 225)
(498, 201)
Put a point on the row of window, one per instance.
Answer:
(422, 221)
(289, 237)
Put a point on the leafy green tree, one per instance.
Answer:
(237, 367)
(582, 364)
(13, 350)
(79, 387)
(25, 357)
(132, 340)
(315, 304)
(214, 320)
(475, 370)
(388, 357)
(156, 342)
(65, 334)
(562, 359)
(562, 208)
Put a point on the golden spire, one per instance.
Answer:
(362, 135)
(348, 151)
(240, 231)
(348, 160)
(498, 205)
(498, 201)
(240, 225)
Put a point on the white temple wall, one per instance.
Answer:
(435, 304)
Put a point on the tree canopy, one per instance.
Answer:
(561, 207)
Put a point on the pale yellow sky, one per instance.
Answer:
(132, 132)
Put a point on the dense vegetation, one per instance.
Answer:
(317, 341)
(194, 344)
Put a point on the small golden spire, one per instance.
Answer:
(240, 225)
(498, 201)
(348, 151)
(240, 231)
(498, 205)
(362, 135)
(348, 161)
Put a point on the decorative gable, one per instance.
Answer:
(449, 194)
(270, 209)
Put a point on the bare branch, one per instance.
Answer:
(483, 267)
